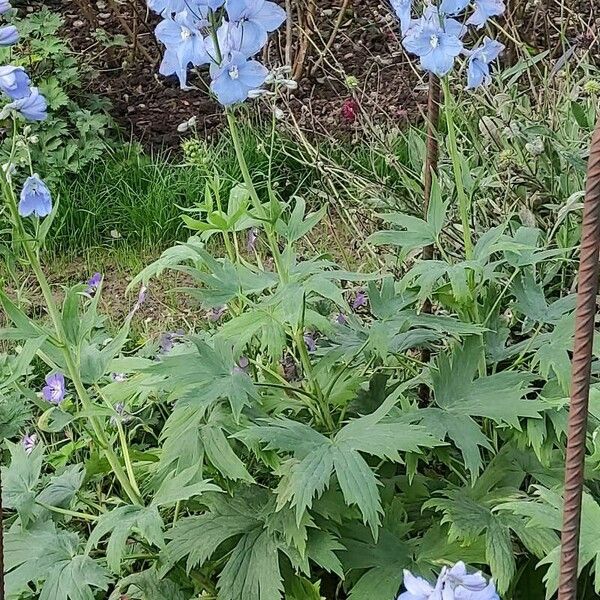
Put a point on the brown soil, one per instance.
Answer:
(366, 46)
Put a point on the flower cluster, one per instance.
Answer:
(452, 584)
(437, 36)
(15, 83)
(224, 34)
(25, 101)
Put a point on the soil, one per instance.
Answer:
(365, 48)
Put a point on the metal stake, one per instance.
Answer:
(581, 368)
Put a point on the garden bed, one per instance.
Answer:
(366, 49)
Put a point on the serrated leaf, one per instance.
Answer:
(181, 487)
(222, 456)
(122, 521)
(252, 572)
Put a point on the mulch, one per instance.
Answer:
(365, 52)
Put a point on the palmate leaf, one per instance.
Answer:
(205, 376)
(461, 397)
(120, 523)
(481, 514)
(543, 513)
(316, 458)
(150, 585)
(52, 556)
(182, 487)
(252, 571)
(226, 519)
(72, 578)
(189, 435)
(381, 562)
(254, 537)
(20, 480)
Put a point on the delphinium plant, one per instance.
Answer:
(437, 39)
(280, 450)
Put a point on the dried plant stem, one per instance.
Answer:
(431, 168)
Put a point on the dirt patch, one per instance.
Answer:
(347, 59)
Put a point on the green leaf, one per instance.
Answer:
(500, 553)
(208, 374)
(252, 572)
(359, 485)
(151, 586)
(180, 487)
(213, 528)
(437, 210)
(20, 480)
(62, 488)
(580, 115)
(122, 521)
(73, 578)
(222, 456)
(322, 547)
(305, 479)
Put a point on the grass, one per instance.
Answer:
(133, 201)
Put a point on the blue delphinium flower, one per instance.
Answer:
(4, 6)
(452, 584)
(35, 198)
(8, 35)
(54, 391)
(33, 107)
(231, 38)
(184, 44)
(403, 9)
(484, 10)
(235, 77)
(256, 18)
(168, 7)
(453, 7)
(479, 62)
(437, 47)
(14, 82)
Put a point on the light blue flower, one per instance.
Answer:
(184, 44)
(231, 38)
(484, 9)
(452, 584)
(453, 7)
(436, 48)
(256, 18)
(403, 9)
(235, 77)
(35, 198)
(431, 15)
(478, 72)
(8, 35)
(14, 82)
(33, 107)
(168, 7)
(4, 6)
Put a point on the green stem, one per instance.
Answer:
(127, 459)
(56, 319)
(69, 513)
(258, 207)
(464, 203)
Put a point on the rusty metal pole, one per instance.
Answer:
(587, 290)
